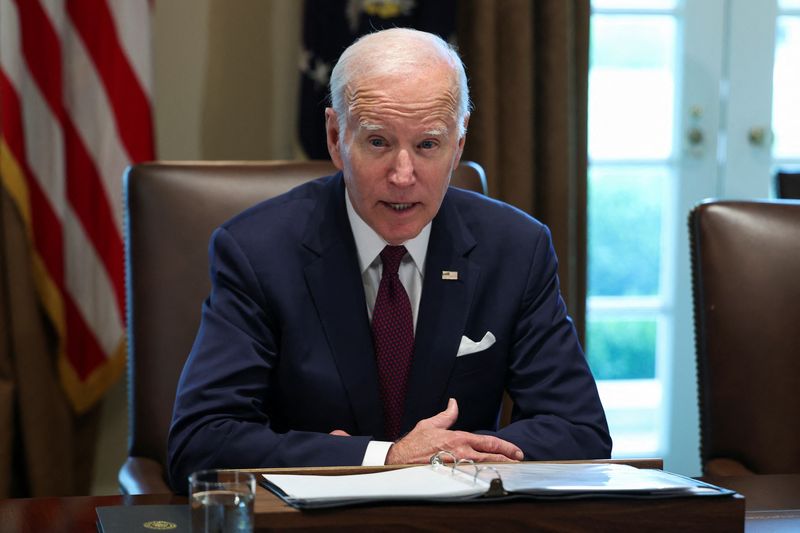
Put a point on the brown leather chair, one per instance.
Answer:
(787, 184)
(171, 209)
(746, 287)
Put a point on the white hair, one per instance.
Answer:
(396, 51)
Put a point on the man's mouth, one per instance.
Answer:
(400, 207)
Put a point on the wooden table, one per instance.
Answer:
(74, 514)
(772, 504)
(773, 492)
(77, 514)
(772, 501)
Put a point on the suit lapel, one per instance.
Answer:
(334, 282)
(442, 316)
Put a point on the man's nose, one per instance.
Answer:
(402, 174)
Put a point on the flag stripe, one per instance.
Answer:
(87, 104)
(74, 90)
(45, 224)
(39, 124)
(90, 287)
(42, 51)
(91, 202)
(133, 27)
(85, 190)
(86, 194)
(49, 292)
(93, 21)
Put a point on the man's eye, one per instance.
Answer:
(427, 144)
(378, 143)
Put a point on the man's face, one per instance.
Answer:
(399, 150)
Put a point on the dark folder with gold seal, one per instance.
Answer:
(143, 518)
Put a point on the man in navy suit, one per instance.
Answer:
(284, 370)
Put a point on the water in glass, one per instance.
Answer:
(222, 511)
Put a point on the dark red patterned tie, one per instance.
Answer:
(393, 333)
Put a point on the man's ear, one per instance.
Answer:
(334, 137)
(462, 141)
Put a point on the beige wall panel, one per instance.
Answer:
(180, 58)
(251, 79)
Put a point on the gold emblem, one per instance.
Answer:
(160, 525)
(449, 274)
(387, 9)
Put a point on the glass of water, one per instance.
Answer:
(222, 501)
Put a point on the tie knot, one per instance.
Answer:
(391, 257)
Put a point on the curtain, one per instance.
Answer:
(45, 448)
(528, 64)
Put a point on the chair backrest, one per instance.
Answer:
(171, 209)
(746, 288)
(787, 185)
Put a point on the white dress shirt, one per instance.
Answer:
(411, 272)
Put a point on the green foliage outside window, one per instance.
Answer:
(624, 233)
(621, 349)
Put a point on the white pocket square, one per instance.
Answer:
(469, 346)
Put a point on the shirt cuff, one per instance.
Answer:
(376, 453)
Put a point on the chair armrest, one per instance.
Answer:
(722, 466)
(141, 475)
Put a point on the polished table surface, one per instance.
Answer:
(75, 514)
(772, 504)
(774, 492)
(78, 515)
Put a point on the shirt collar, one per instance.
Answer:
(369, 244)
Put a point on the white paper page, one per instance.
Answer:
(419, 482)
(555, 478)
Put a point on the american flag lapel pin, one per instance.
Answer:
(449, 274)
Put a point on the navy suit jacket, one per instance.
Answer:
(284, 352)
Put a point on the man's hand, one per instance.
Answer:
(432, 435)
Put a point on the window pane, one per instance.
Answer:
(625, 212)
(786, 104)
(621, 349)
(633, 409)
(638, 5)
(631, 87)
(789, 4)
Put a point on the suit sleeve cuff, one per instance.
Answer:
(376, 453)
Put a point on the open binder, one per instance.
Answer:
(463, 481)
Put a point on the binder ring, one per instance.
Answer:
(467, 462)
(480, 469)
(495, 485)
(437, 460)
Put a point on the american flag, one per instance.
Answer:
(75, 89)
